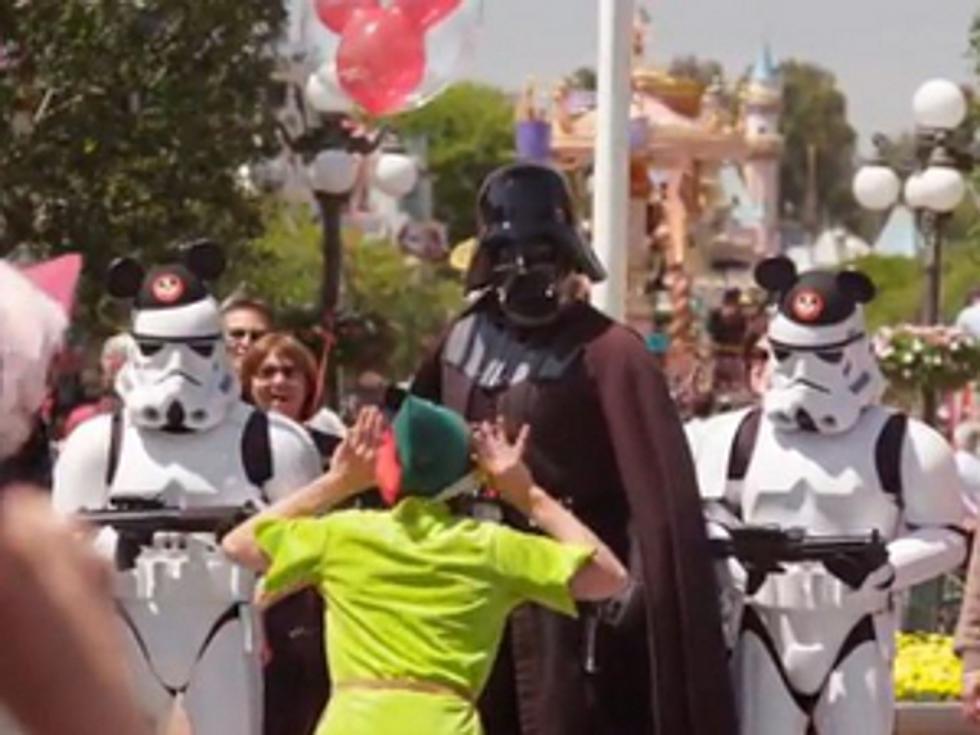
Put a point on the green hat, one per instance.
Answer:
(427, 451)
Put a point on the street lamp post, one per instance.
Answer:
(933, 188)
(330, 149)
(335, 153)
(332, 175)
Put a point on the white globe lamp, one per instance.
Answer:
(917, 191)
(333, 172)
(939, 104)
(876, 187)
(943, 187)
(395, 174)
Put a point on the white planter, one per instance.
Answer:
(931, 718)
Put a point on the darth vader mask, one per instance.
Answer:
(528, 280)
(529, 243)
(177, 376)
(824, 373)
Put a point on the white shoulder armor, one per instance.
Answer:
(295, 459)
(711, 444)
(931, 485)
(80, 472)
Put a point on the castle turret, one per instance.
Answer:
(762, 104)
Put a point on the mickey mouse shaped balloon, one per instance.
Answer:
(177, 376)
(824, 372)
(390, 56)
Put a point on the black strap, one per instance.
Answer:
(233, 612)
(752, 623)
(115, 447)
(862, 632)
(744, 444)
(888, 456)
(257, 449)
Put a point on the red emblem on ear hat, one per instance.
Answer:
(167, 288)
(177, 283)
(808, 305)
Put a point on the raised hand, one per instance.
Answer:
(503, 461)
(353, 460)
(61, 635)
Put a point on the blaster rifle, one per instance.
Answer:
(137, 520)
(762, 550)
(146, 520)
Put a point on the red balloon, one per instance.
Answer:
(381, 59)
(426, 13)
(336, 14)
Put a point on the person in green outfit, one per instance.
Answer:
(417, 597)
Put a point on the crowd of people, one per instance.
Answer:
(526, 540)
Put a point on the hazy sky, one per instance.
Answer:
(880, 50)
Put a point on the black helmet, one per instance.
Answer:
(522, 202)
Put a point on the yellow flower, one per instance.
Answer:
(926, 667)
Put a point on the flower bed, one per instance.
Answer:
(926, 669)
(927, 685)
(919, 357)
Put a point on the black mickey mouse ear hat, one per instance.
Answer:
(173, 284)
(815, 298)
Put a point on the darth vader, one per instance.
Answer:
(606, 439)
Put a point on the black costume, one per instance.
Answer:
(606, 440)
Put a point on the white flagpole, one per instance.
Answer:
(610, 212)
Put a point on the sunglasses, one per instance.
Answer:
(252, 334)
(288, 372)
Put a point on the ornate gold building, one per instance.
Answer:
(704, 176)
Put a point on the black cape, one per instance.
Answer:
(606, 439)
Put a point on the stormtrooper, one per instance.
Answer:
(827, 505)
(160, 473)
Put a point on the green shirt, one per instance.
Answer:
(414, 593)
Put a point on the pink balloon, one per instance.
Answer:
(426, 13)
(381, 59)
(336, 14)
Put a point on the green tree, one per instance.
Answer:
(693, 67)
(285, 262)
(900, 284)
(470, 132)
(815, 119)
(584, 77)
(412, 299)
(392, 304)
(122, 124)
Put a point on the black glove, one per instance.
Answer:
(852, 568)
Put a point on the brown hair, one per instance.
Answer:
(287, 346)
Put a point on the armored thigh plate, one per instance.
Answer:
(186, 605)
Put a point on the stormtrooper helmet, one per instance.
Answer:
(824, 372)
(177, 376)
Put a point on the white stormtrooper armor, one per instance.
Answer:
(184, 439)
(811, 653)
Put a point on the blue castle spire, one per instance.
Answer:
(764, 71)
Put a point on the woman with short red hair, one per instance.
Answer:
(279, 373)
